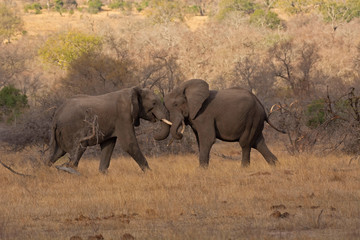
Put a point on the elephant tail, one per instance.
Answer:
(271, 125)
(52, 142)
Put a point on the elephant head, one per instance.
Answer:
(147, 105)
(185, 102)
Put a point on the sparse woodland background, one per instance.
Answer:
(301, 58)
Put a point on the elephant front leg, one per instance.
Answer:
(205, 141)
(245, 161)
(107, 148)
(129, 144)
(137, 155)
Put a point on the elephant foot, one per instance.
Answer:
(273, 163)
(145, 169)
(204, 165)
(104, 171)
(245, 164)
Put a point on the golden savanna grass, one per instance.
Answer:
(305, 197)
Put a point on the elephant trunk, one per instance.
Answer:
(175, 128)
(164, 131)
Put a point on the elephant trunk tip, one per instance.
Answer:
(164, 131)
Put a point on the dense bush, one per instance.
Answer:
(116, 4)
(12, 103)
(242, 6)
(94, 6)
(59, 5)
(315, 113)
(35, 6)
(264, 18)
(67, 47)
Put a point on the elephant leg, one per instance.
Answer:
(129, 144)
(56, 154)
(107, 148)
(76, 155)
(245, 161)
(264, 150)
(206, 138)
(197, 138)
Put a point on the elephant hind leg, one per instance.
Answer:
(264, 150)
(76, 155)
(245, 143)
(57, 153)
(107, 148)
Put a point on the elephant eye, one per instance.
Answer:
(175, 104)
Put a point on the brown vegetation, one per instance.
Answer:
(305, 197)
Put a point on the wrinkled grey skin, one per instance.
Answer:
(232, 115)
(117, 114)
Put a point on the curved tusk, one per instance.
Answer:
(183, 127)
(171, 141)
(166, 121)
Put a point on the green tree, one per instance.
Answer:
(94, 6)
(12, 102)
(59, 6)
(297, 6)
(35, 6)
(315, 113)
(65, 48)
(244, 7)
(265, 19)
(339, 12)
(10, 24)
(116, 4)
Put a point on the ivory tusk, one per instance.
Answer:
(171, 141)
(166, 121)
(183, 128)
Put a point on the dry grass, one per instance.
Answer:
(305, 197)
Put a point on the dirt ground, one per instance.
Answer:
(304, 197)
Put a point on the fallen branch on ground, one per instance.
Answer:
(13, 171)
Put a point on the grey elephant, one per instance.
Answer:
(232, 115)
(89, 120)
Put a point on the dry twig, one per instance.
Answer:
(13, 171)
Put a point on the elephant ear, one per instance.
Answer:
(135, 105)
(196, 92)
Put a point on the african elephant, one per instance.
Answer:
(89, 120)
(231, 115)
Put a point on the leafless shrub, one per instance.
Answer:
(254, 73)
(327, 123)
(98, 74)
(13, 62)
(162, 73)
(295, 65)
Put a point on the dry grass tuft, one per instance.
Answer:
(304, 197)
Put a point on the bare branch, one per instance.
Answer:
(13, 171)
